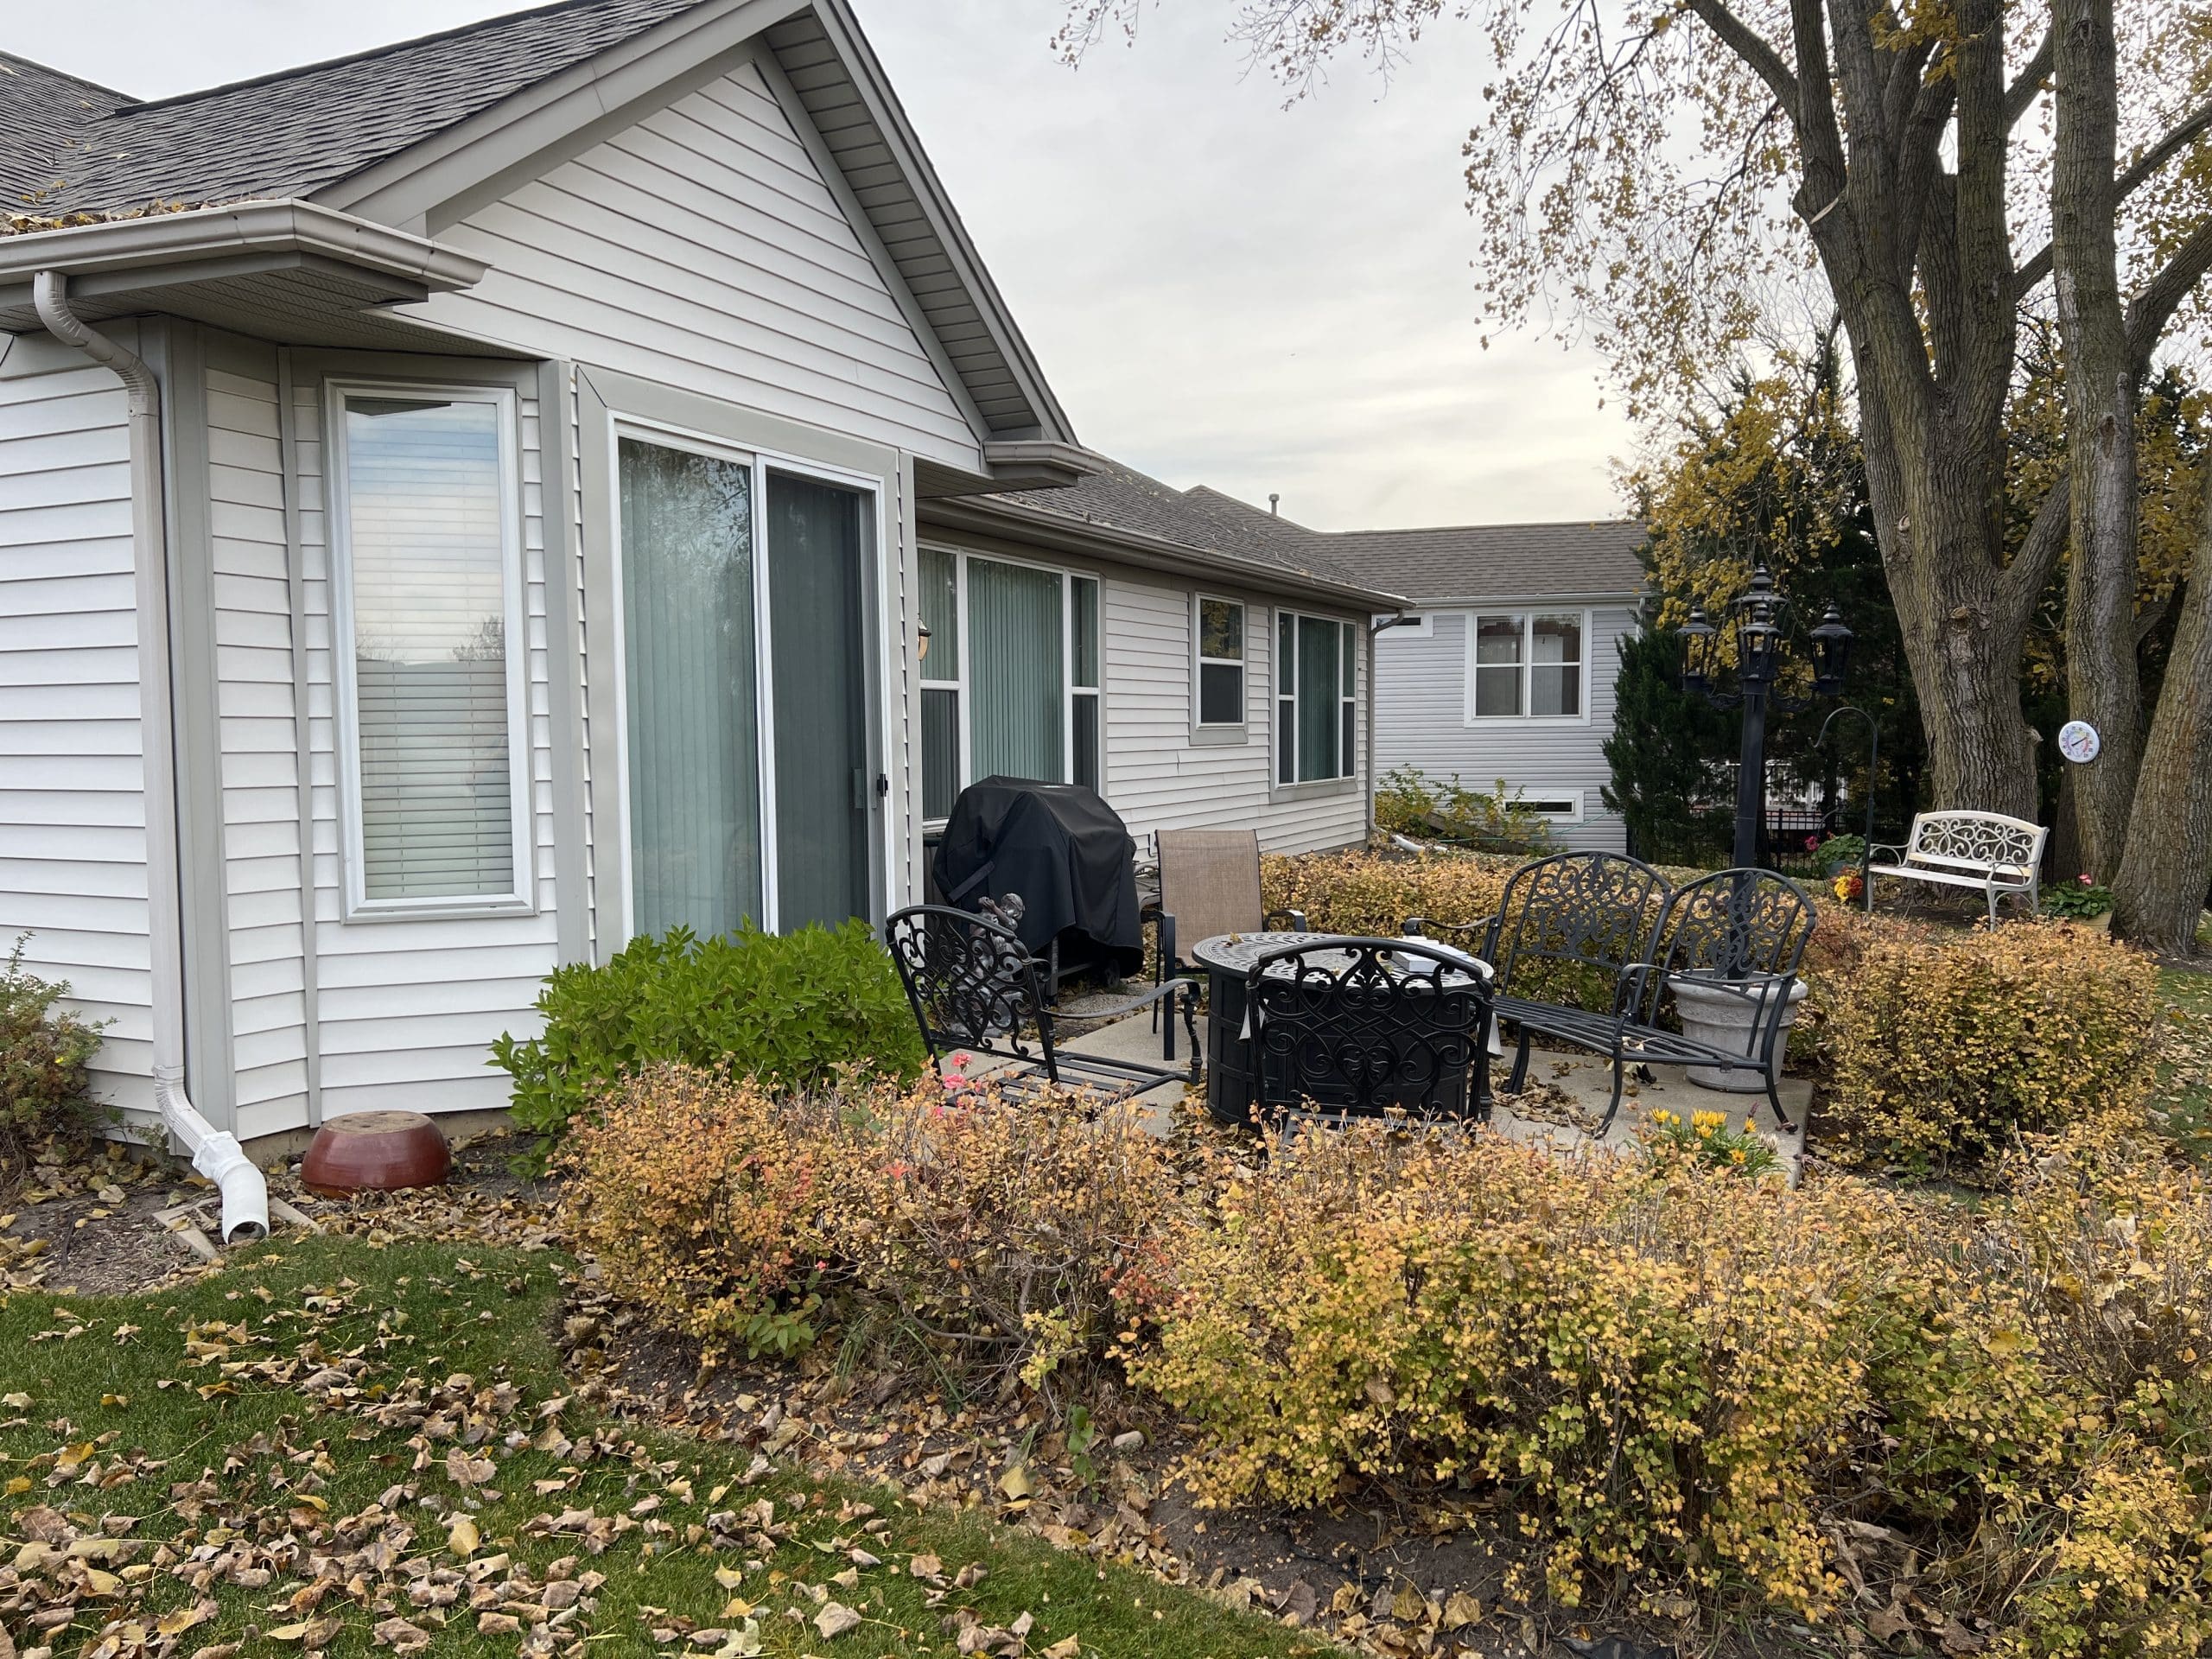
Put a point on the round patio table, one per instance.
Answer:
(1229, 958)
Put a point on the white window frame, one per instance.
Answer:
(345, 712)
(1287, 698)
(1200, 662)
(762, 462)
(1528, 613)
(1569, 799)
(965, 709)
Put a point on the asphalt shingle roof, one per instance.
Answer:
(68, 146)
(1120, 498)
(1450, 562)
(1501, 561)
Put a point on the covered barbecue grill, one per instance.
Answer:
(1065, 852)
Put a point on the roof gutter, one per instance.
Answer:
(1040, 527)
(119, 245)
(215, 1153)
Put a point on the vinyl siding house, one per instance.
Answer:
(1505, 668)
(467, 503)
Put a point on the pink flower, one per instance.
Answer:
(2084, 879)
(1812, 843)
(959, 1062)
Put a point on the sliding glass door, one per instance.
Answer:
(752, 788)
(692, 671)
(825, 782)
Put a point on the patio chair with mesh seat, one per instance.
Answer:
(977, 988)
(1209, 886)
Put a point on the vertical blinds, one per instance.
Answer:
(1015, 629)
(692, 682)
(427, 548)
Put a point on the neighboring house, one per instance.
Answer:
(1506, 670)
(498, 514)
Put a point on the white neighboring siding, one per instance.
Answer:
(702, 249)
(73, 810)
(1420, 721)
(1156, 776)
(409, 1008)
(263, 904)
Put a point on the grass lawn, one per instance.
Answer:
(2185, 1080)
(335, 1448)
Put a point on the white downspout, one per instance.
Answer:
(215, 1153)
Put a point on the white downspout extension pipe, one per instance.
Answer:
(215, 1153)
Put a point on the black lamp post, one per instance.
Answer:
(1759, 614)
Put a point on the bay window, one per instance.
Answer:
(1527, 665)
(428, 641)
(1010, 684)
(1316, 670)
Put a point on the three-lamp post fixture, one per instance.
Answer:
(1760, 615)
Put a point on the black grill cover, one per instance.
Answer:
(1063, 851)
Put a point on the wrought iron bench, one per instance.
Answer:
(1355, 1027)
(1587, 948)
(976, 987)
(1995, 856)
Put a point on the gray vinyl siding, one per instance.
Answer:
(1421, 720)
(72, 810)
(1157, 778)
(262, 906)
(702, 249)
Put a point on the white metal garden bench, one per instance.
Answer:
(1999, 856)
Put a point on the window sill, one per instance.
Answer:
(464, 910)
(1555, 722)
(1320, 789)
(1221, 736)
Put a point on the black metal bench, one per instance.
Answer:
(1587, 948)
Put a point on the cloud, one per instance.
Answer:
(1222, 289)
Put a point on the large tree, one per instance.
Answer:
(1662, 175)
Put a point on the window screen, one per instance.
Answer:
(1221, 663)
(427, 573)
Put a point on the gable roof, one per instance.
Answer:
(330, 131)
(1582, 558)
(295, 131)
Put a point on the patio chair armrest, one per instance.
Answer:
(1166, 990)
(1163, 924)
(1897, 854)
(1295, 917)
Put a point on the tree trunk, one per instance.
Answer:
(2102, 683)
(1932, 491)
(2166, 869)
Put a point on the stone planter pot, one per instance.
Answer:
(1723, 1019)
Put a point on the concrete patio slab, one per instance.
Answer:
(1563, 1108)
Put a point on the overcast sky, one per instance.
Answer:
(1222, 290)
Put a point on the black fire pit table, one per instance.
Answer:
(1228, 959)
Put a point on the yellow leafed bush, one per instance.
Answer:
(1943, 1045)
(1369, 894)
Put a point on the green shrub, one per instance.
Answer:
(1946, 1045)
(1410, 802)
(791, 1009)
(44, 1050)
(2081, 899)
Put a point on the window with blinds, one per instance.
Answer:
(426, 580)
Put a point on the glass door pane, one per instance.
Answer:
(690, 672)
(1014, 671)
(818, 538)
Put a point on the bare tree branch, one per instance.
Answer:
(2020, 96)
(2186, 133)
(1753, 47)
(2152, 308)
(2038, 556)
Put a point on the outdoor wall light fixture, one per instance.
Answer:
(921, 640)
(1759, 614)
